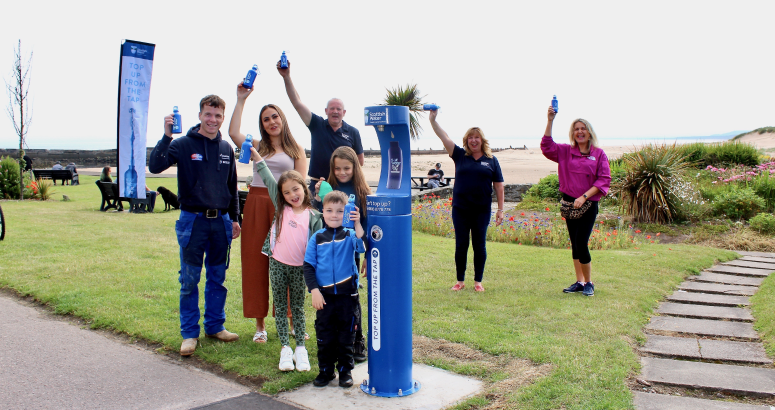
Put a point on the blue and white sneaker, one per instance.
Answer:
(589, 289)
(576, 287)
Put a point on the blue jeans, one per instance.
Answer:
(199, 236)
(475, 224)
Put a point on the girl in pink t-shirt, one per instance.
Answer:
(294, 222)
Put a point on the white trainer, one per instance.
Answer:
(286, 359)
(302, 359)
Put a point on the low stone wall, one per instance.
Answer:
(511, 192)
(45, 158)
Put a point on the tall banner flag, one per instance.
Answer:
(134, 88)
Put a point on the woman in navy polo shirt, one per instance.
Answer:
(584, 176)
(476, 173)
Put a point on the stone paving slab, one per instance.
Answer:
(737, 270)
(769, 267)
(730, 351)
(712, 277)
(757, 259)
(703, 327)
(694, 286)
(651, 401)
(749, 381)
(708, 299)
(761, 254)
(684, 347)
(705, 312)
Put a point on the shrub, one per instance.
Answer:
(9, 178)
(547, 188)
(648, 189)
(45, 190)
(763, 223)
(720, 153)
(764, 186)
(739, 203)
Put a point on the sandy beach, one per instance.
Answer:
(518, 166)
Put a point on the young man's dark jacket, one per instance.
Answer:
(207, 172)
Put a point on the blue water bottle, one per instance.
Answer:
(244, 152)
(250, 78)
(554, 105)
(350, 207)
(430, 107)
(283, 61)
(177, 125)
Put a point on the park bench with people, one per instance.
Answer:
(418, 182)
(57, 175)
(112, 199)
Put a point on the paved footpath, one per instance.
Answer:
(703, 339)
(49, 363)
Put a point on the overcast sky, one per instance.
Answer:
(645, 69)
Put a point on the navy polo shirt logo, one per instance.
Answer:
(486, 164)
(345, 136)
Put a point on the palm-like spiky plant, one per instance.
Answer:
(408, 96)
(647, 189)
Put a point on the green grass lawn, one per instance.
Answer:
(119, 271)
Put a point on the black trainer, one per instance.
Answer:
(576, 287)
(589, 289)
(323, 379)
(345, 379)
(359, 350)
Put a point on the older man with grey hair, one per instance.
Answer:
(326, 134)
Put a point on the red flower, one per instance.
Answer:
(547, 209)
(522, 214)
(648, 236)
(638, 231)
(658, 233)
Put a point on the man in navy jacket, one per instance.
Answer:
(207, 191)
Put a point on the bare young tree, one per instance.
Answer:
(19, 109)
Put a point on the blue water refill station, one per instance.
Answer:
(389, 233)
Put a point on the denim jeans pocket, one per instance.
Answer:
(183, 227)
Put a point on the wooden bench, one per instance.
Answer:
(57, 174)
(419, 182)
(111, 199)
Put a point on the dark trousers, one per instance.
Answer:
(335, 327)
(474, 224)
(580, 230)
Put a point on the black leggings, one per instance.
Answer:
(580, 230)
(471, 224)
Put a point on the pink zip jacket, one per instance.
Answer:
(577, 172)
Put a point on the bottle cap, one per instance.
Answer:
(351, 199)
(325, 188)
(249, 138)
(175, 108)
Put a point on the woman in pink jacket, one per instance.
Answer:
(584, 178)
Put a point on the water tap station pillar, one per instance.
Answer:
(389, 255)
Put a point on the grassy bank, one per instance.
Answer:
(119, 271)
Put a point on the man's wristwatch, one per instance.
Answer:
(585, 196)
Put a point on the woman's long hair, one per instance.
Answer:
(359, 180)
(592, 135)
(289, 144)
(485, 144)
(289, 176)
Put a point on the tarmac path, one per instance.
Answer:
(49, 363)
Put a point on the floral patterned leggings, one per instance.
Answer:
(283, 278)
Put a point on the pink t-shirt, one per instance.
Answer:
(290, 246)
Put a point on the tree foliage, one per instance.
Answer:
(19, 107)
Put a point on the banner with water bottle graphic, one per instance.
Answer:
(134, 90)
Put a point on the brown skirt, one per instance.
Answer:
(256, 221)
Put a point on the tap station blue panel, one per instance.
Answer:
(389, 256)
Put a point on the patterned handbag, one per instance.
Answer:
(569, 212)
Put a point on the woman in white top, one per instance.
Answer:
(281, 153)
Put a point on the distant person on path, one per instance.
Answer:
(326, 134)
(434, 176)
(209, 205)
(281, 153)
(332, 278)
(105, 175)
(477, 172)
(585, 177)
(27, 162)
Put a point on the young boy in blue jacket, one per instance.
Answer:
(332, 279)
(207, 191)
